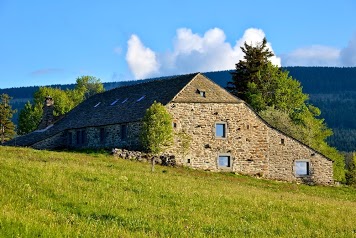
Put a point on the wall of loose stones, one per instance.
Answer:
(284, 151)
(245, 143)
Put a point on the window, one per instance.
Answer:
(224, 161)
(97, 104)
(124, 100)
(123, 132)
(220, 130)
(102, 135)
(302, 168)
(201, 93)
(78, 138)
(174, 124)
(81, 137)
(84, 137)
(70, 140)
(282, 141)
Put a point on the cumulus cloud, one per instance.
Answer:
(191, 53)
(141, 60)
(348, 54)
(316, 55)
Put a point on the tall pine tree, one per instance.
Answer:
(7, 127)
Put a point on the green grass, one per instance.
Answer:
(63, 194)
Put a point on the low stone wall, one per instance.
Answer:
(164, 159)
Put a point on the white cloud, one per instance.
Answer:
(348, 54)
(316, 55)
(191, 53)
(141, 60)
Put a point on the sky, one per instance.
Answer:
(54, 42)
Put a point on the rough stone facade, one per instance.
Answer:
(253, 147)
(124, 135)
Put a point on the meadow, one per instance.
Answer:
(71, 194)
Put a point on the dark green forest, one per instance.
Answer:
(331, 89)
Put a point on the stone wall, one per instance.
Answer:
(254, 147)
(284, 151)
(56, 141)
(108, 136)
(163, 159)
(245, 142)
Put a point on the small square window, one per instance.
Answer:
(220, 130)
(302, 168)
(224, 161)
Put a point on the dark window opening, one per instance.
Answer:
(282, 141)
(174, 124)
(123, 132)
(78, 137)
(70, 140)
(188, 161)
(102, 135)
(83, 137)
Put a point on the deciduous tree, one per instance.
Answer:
(157, 131)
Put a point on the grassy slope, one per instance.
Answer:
(68, 194)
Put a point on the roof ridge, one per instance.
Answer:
(151, 80)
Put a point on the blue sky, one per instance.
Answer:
(54, 42)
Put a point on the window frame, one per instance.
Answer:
(308, 168)
(221, 167)
(224, 124)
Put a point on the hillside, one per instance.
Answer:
(331, 89)
(54, 194)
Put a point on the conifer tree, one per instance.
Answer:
(7, 127)
(278, 98)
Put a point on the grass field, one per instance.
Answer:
(64, 194)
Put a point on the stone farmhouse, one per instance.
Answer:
(227, 135)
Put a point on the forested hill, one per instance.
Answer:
(331, 89)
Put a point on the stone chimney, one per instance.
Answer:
(47, 117)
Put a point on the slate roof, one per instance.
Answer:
(119, 105)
